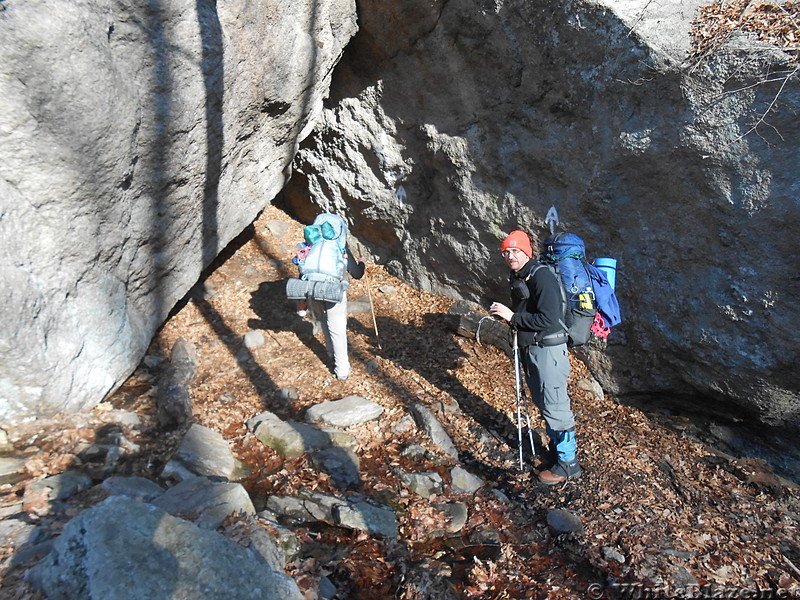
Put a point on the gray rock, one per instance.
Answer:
(327, 591)
(500, 496)
(163, 142)
(305, 508)
(277, 229)
(340, 464)
(10, 510)
(340, 439)
(563, 521)
(124, 418)
(426, 421)
(254, 339)
(424, 484)
(457, 513)
(5, 445)
(176, 471)
(413, 451)
(610, 554)
(137, 488)
(364, 516)
(291, 439)
(352, 410)
(12, 470)
(16, 531)
(206, 502)
(205, 452)
(287, 542)
(389, 290)
(526, 110)
(464, 482)
(358, 307)
(60, 486)
(310, 507)
(288, 394)
(127, 550)
(268, 548)
(173, 400)
(592, 386)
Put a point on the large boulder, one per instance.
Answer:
(136, 140)
(124, 549)
(448, 130)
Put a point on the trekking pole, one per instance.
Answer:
(372, 309)
(530, 429)
(519, 403)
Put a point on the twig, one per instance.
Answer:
(791, 565)
(639, 18)
(769, 108)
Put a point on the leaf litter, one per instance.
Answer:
(659, 509)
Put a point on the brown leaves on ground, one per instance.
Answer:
(776, 23)
(659, 510)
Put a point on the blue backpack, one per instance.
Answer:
(585, 288)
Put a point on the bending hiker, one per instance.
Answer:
(324, 268)
(538, 320)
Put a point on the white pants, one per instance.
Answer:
(333, 317)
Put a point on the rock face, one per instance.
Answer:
(136, 140)
(452, 123)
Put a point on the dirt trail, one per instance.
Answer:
(660, 511)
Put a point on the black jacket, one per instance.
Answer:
(537, 304)
(355, 268)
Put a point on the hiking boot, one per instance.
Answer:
(560, 472)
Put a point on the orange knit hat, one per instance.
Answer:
(520, 240)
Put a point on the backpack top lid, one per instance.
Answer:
(329, 227)
(564, 245)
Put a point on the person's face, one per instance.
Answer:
(515, 258)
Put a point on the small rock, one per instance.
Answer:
(341, 465)
(501, 496)
(41, 494)
(424, 484)
(563, 521)
(610, 554)
(456, 512)
(206, 502)
(405, 424)
(288, 394)
(12, 470)
(254, 339)
(137, 488)
(464, 482)
(413, 451)
(352, 410)
(359, 307)
(327, 591)
(387, 289)
(592, 387)
(5, 445)
(276, 228)
(425, 419)
(364, 516)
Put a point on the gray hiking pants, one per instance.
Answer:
(333, 317)
(546, 371)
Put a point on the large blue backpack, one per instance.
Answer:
(585, 288)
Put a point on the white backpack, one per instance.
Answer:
(326, 260)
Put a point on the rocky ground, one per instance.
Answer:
(658, 510)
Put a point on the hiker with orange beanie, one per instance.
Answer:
(537, 317)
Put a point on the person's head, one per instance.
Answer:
(516, 250)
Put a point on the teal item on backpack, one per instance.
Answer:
(326, 260)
